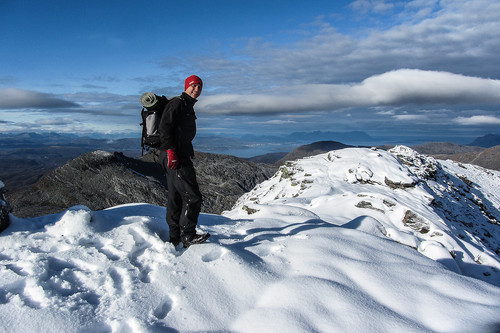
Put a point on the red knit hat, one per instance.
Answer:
(193, 79)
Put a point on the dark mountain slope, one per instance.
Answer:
(487, 158)
(433, 148)
(224, 178)
(100, 180)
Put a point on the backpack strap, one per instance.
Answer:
(143, 124)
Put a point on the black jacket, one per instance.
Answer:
(178, 126)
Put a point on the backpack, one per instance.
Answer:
(152, 110)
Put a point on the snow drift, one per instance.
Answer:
(355, 240)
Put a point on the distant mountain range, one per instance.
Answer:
(11, 141)
(353, 137)
(487, 141)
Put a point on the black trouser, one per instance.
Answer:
(184, 199)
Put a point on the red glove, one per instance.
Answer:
(172, 159)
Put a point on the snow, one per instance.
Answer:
(319, 247)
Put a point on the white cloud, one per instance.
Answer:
(12, 98)
(410, 117)
(376, 6)
(477, 120)
(275, 122)
(395, 88)
(55, 121)
(386, 113)
(405, 86)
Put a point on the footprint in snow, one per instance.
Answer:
(144, 274)
(162, 310)
(141, 245)
(117, 281)
(16, 269)
(110, 252)
(4, 299)
(31, 295)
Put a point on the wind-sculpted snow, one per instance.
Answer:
(326, 245)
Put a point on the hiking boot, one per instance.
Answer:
(174, 241)
(196, 239)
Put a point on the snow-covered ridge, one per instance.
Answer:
(317, 248)
(446, 210)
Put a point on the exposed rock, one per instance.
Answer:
(423, 166)
(398, 185)
(368, 205)
(455, 197)
(415, 222)
(249, 210)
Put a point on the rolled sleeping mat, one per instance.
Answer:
(148, 99)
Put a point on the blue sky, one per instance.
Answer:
(422, 69)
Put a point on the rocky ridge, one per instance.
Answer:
(102, 179)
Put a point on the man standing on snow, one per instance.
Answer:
(177, 131)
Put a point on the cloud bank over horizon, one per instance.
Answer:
(395, 88)
(411, 88)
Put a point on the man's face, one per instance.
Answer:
(194, 90)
